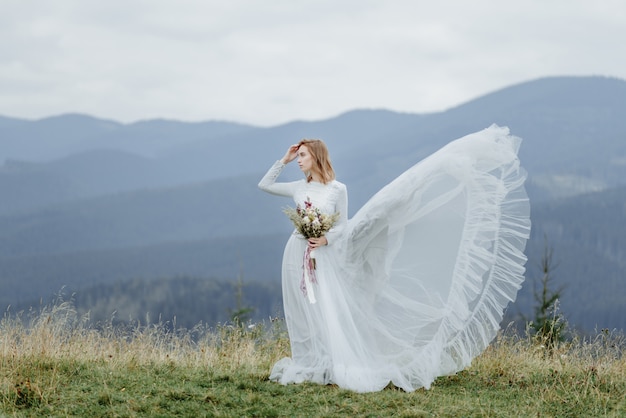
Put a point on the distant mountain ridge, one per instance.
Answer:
(372, 144)
(81, 193)
(59, 136)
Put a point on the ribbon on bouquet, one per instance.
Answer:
(308, 275)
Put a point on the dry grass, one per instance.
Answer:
(574, 372)
(54, 363)
(57, 333)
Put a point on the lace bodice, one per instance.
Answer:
(329, 198)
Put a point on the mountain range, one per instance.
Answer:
(90, 203)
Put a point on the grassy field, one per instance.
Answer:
(57, 365)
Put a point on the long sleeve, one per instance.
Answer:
(268, 182)
(342, 207)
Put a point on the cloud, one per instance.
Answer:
(271, 62)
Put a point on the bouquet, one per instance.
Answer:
(310, 222)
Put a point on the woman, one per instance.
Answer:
(415, 284)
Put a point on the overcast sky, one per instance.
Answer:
(272, 61)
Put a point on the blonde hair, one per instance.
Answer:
(321, 160)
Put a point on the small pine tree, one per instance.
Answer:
(549, 324)
(241, 314)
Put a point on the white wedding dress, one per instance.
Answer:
(414, 286)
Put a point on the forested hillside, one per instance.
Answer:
(185, 301)
(588, 236)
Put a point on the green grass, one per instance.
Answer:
(57, 365)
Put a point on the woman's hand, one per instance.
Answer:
(317, 242)
(291, 154)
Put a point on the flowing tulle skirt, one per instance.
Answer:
(418, 283)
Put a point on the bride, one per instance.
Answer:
(414, 285)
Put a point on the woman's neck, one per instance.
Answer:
(315, 177)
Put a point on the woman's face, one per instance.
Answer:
(305, 159)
